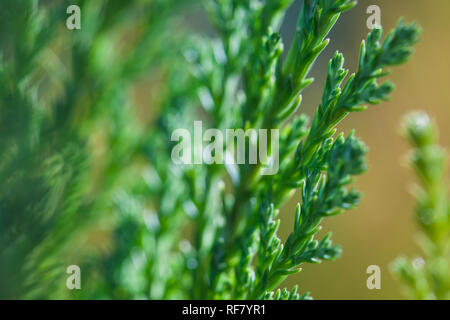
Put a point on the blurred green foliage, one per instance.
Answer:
(428, 277)
(65, 95)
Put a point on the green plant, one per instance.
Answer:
(78, 164)
(68, 134)
(428, 277)
(236, 252)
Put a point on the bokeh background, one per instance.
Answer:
(383, 226)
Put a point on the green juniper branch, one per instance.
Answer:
(360, 88)
(322, 196)
(303, 150)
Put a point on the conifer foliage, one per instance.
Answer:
(79, 162)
